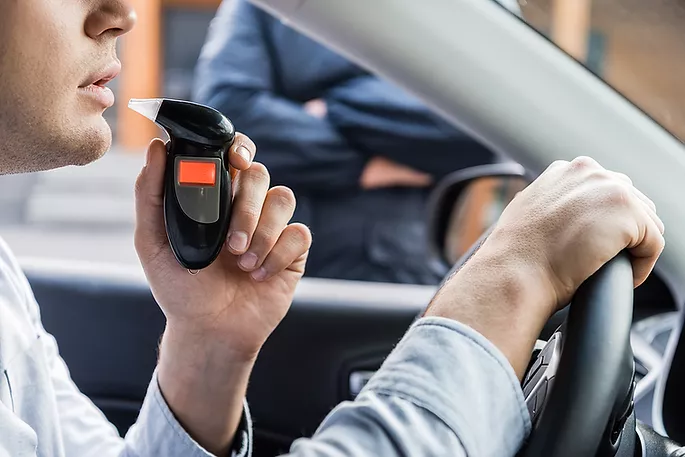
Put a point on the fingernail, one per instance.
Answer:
(244, 153)
(260, 274)
(238, 241)
(248, 260)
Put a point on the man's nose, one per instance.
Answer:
(111, 17)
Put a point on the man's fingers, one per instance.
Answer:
(149, 199)
(621, 177)
(648, 201)
(651, 212)
(649, 205)
(289, 252)
(251, 188)
(279, 207)
(242, 152)
(647, 250)
(626, 179)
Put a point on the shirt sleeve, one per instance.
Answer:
(445, 390)
(157, 432)
(84, 429)
(236, 74)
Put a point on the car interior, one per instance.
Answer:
(617, 357)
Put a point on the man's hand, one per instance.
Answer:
(316, 108)
(553, 236)
(381, 173)
(218, 319)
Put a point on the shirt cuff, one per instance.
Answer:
(455, 373)
(157, 432)
(242, 443)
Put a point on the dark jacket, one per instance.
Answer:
(259, 72)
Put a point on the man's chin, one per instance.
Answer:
(84, 146)
(94, 143)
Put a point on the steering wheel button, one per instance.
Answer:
(533, 370)
(534, 379)
(527, 389)
(540, 397)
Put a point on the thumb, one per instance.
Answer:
(150, 235)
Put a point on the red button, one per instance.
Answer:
(196, 173)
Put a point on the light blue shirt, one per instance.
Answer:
(445, 390)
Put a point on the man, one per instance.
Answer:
(451, 387)
(359, 153)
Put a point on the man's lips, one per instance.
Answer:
(95, 84)
(104, 75)
(103, 95)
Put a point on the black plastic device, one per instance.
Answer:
(197, 183)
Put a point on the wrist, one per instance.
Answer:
(211, 337)
(209, 341)
(204, 382)
(523, 268)
(502, 298)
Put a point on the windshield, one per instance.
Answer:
(634, 45)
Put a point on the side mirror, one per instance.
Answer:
(467, 202)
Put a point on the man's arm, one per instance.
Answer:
(60, 408)
(217, 322)
(86, 432)
(380, 118)
(218, 319)
(453, 379)
(444, 391)
(236, 75)
(451, 387)
(456, 366)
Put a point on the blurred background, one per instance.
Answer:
(86, 213)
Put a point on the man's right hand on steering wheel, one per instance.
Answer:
(553, 236)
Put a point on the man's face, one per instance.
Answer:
(55, 56)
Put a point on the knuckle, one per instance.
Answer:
(558, 164)
(601, 175)
(248, 212)
(624, 177)
(265, 236)
(618, 195)
(584, 163)
(243, 140)
(283, 196)
(277, 260)
(258, 171)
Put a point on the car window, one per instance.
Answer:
(635, 46)
(87, 213)
(352, 164)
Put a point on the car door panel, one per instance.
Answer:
(108, 328)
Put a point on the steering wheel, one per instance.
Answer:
(587, 400)
(586, 409)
